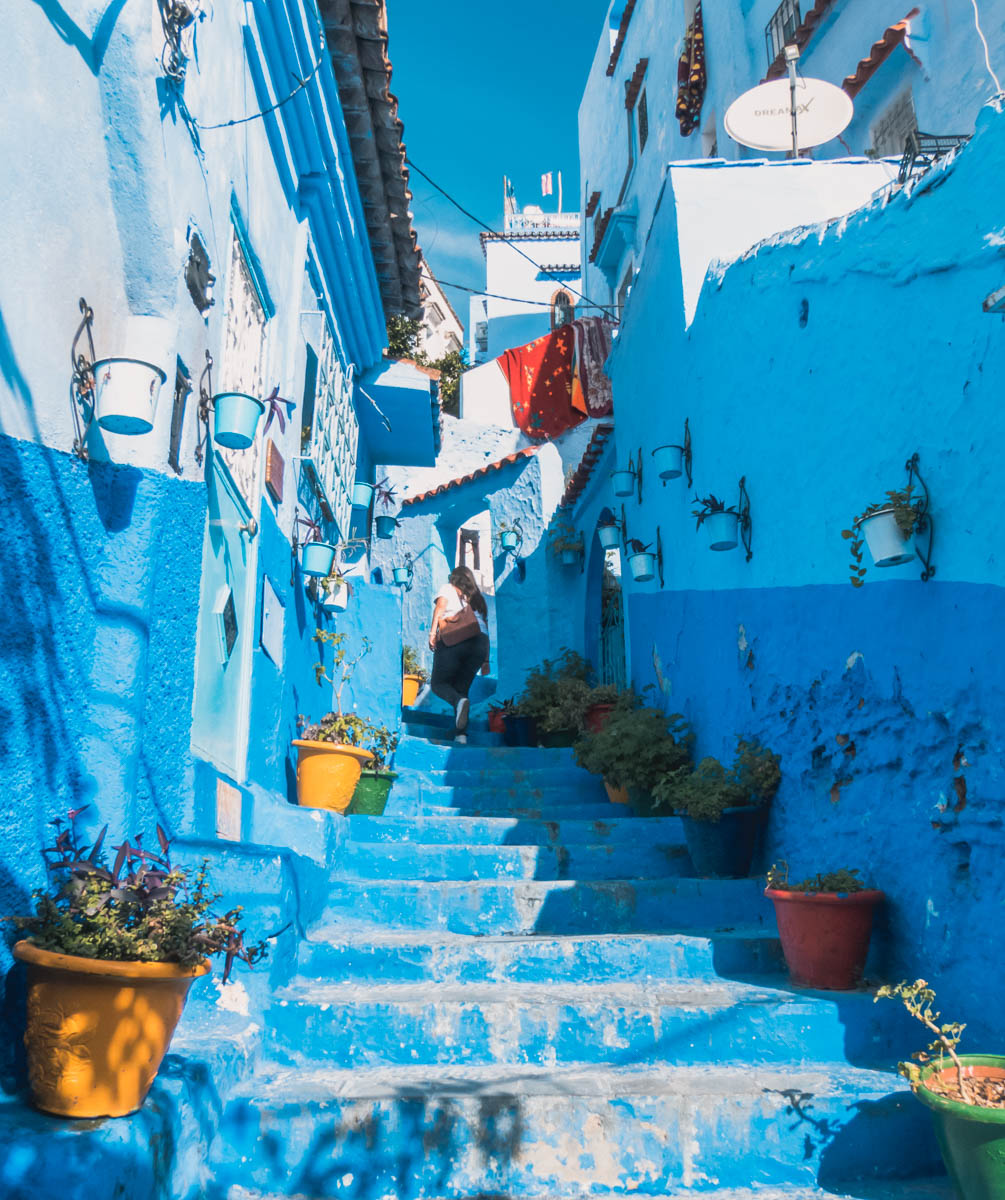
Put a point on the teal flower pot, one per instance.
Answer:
(235, 419)
(385, 527)
(609, 536)
(400, 574)
(642, 567)
(508, 539)
(669, 461)
(623, 483)
(361, 495)
(316, 558)
(721, 528)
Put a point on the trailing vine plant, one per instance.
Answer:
(906, 512)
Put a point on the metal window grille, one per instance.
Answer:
(334, 431)
(642, 110)
(783, 24)
(895, 124)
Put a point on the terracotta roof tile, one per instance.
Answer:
(599, 229)
(526, 452)
(893, 36)
(591, 207)
(430, 371)
(591, 456)
(634, 85)
(619, 41)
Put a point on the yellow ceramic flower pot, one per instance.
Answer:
(327, 773)
(98, 1030)
(410, 685)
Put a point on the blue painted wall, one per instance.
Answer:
(815, 368)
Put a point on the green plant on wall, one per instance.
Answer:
(410, 664)
(403, 335)
(342, 665)
(907, 514)
(562, 537)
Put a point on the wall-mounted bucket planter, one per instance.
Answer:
(825, 935)
(509, 539)
(971, 1138)
(400, 574)
(316, 558)
(361, 494)
(125, 394)
(669, 461)
(722, 529)
(570, 558)
(336, 597)
(642, 567)
(623, 482)
(385, 527)
(327, 773)
(609, 536)
(235, 419)
(887, 545)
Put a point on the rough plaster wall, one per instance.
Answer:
(885, 701)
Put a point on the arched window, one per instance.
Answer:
(561, 309)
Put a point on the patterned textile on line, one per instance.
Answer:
(591, 388)
(691, 76)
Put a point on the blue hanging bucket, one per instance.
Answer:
(235, 419)
(400, 574)
(508, 539)
(609, 536)
(385, 527)
(316, 558)
(361, 494)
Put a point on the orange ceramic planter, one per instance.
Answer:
(410, 685)
(327, 774)
(98, 1030)
(616, 795)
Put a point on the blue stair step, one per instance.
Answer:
(607, 1024)
(462, 796)
(397, 956)
(420, 754)
(530, 1130)
(524, 906)
(554, 812)
(890, 1189)
(514, 831)
(492, 776)
(387, 861)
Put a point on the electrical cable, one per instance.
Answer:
(502, 237)
(984, 42)
(491, 295)
(301, 84)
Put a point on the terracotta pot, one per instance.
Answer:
(497, 721)
(616, 795)
(597, 716)
(825, 935)
(98, 1030)
(327, 773)
(971, 1138)
(410, 685)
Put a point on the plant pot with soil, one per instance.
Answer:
(110, 957)
(635, 748)
(721, 522)
(370, 797)
(888, 530)
(825, 924)
(413, 676)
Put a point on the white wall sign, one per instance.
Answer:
(273, 622)
(762, 117)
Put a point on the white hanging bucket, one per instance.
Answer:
(669, 461)
(125, 394)
(887, 545)
(336, 598)
(642, 567)
(609, 536)
(721, 528)
(570, 558)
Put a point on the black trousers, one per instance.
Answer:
(454, 667)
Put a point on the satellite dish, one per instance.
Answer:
(762, 117)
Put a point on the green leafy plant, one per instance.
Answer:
(845, 880)
(708, 506)
(333, 582)
(638, 547)
(637, 746)
(342, 666)
(704, 793)
(348, 729)
(547, 683)
(564, 537)
(410, 664)
(919, 1000)
(142, 908)
(906, 512)
(403, 335)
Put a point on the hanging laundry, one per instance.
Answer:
(540, 384)
(591, 387)
(691, 76)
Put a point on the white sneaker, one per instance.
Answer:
(461, 714)
(461, 739)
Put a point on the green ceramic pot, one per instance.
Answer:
(370, 796)
(972, 1139)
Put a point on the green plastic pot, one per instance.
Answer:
(557, 739)
(972, 1139)
(370, 796)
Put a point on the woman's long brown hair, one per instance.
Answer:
(463, 579)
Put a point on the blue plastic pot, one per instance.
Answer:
(385, 527)
(721, 528)
(400, 574)
(317, 558)
(623, 483)
(508, 539)
(361, 495)
(724, 849)
(235, 419)
(519, 731)
(669, 461)
(642, 567)
(609, 536)
(570, 558)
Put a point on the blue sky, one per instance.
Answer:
(486, 90)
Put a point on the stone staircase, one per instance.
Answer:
(516, 989)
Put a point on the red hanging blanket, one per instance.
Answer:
(540, 384)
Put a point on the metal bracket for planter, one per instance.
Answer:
(924, 524)
(685, 453)
(205, 398)
(82, 394)
(659, 554)
(636, 470)
(745, 522)
(624, 531)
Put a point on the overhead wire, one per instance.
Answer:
(491, 295)
(502, 237)
(301, 84)
(984, 42)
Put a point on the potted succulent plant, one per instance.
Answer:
(824, 923)
(888, 530)
(125, 394)
(375, 781)
(721, 522)
(111, 953)
(317, 557)
(723, 810)
(966, 1095)
(235, 419)
(634, 750)
(641, 562)
(566, 544)
(414, 675)
(385, 524)
(335, 591)
(331, 752)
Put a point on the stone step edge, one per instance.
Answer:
(893, 1189)
(340, 936)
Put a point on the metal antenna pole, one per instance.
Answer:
(791, 58)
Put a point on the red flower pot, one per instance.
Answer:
(597, 716)
(825, 935)
(497, 721)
